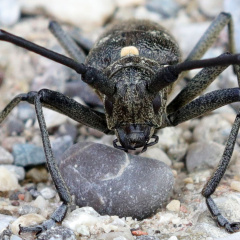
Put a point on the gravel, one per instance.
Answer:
(27, 194)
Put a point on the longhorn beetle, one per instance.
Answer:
(133, 67)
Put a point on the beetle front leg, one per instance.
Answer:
(216, 177)
(58, 181)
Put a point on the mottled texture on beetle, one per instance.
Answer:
(132, 103)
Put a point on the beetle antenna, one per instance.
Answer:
(91, 75)
(167, 75)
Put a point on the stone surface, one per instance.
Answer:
(115, 183)
(48, 193)
(28, 154)
(157, 153)
(205, 155)
(5, 156)
(27, 209)
(8, 181)
(25, 221)
(173, 206)
(4, 221)
(212, 128)
(19, 172)
(57, 233)
(10, 12)
(86, 14)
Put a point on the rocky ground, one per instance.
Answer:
(192, 149)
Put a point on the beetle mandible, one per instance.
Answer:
(133, 67)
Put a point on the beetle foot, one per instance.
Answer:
(230, 227)
(233, 227)
(38, 228)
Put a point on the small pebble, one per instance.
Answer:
(188, 180)
(48, 193)
(8, 180)
(5, 156)
(38, 174)
(157, 153)
(173, 238)
(18, 171)
(26, 209)
(15, 203)
(235, 185)
(42, 204)
(57, 233)
(5, 220)
(10, 12)
(174, 206)
(28, 154)
(25, 221)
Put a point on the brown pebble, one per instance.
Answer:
(15, 203)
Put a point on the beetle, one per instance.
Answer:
(133, 68)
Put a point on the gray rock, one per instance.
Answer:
(57, 233)
(68, 129)
(26, 112)
(28, 154)
(4, 221)
(115, 183)
(14, 127)
(26, 209)
(60, 145)
(205, 155)
(77, 87)
(212, 128)
(146, 237)
(165, 8)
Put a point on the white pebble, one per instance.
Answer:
(83, 230)
(81, 216)
(48, 193)
(25, 221)
(8, 180)
(174, 206)
(173, 238)
(235, 185)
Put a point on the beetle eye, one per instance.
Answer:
(157, 104)
(108, 106)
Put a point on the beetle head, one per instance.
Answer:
(132, 136)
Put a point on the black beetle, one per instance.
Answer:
(133, 67)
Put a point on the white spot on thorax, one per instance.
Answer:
(129, 50)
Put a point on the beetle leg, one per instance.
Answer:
(67, 42)
(210, 36)
(58, 181)
(151, 143)
(204, 104)
(120, 147)
(196, 86)
(64, 105)
(216, 177)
